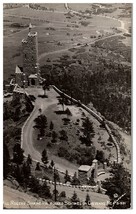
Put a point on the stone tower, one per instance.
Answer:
(29, 75)
(95, 166)
(30, 53)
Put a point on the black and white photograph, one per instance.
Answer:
(67, 72)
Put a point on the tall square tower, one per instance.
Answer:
(30, 54)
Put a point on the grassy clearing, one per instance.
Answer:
(73, 130)
(66, 33)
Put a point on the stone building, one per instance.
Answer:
(86, 171)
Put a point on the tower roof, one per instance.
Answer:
(18, 70)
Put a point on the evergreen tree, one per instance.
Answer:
(75, 180)
(45, 191)
(44, 157)
(88, 128)
(52, 163)
(63, 135)
(16, 172)
(42, 132)
(54, 136)
(29, 159)
(26, 170)
(57, 177)
(75, 201)
(87, 200)
(51, 125)
(62, 194)
(38, 168)
(119, 184)
(100, 156)
(17, 113)
(40, 122)
(67, 177)
(18, 156)
(34, 185)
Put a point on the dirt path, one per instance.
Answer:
(73, 46)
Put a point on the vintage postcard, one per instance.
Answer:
(67, 105)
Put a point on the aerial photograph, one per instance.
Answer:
(67, 70)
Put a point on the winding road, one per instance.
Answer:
(27, 131)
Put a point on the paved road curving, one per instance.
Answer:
(27, 133)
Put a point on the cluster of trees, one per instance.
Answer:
(119, 187)
(20, 168)
(88, 132)
(116, 46)
(17, 108)
(82, 155)
(75, 202)
(107, 87)
(41, 124)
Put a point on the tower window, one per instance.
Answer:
(25, 56)
(32, 58)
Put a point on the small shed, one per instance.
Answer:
(33, 80)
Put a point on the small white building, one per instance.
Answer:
(86, 171)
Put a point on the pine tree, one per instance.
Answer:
(75, 201)
(34, 185)
(88, 129)
(54, 136)
(75, 180)
(26, 170)
(38, 167)
(52, 163)
(51, 125)
(40, 122)
(63, 135)
(119, 184)
(57, 177)
(44, 157)
(87, 200)
(67, 177)
(18, 156)
(29, 159)
(16, 172)
(45, 191)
